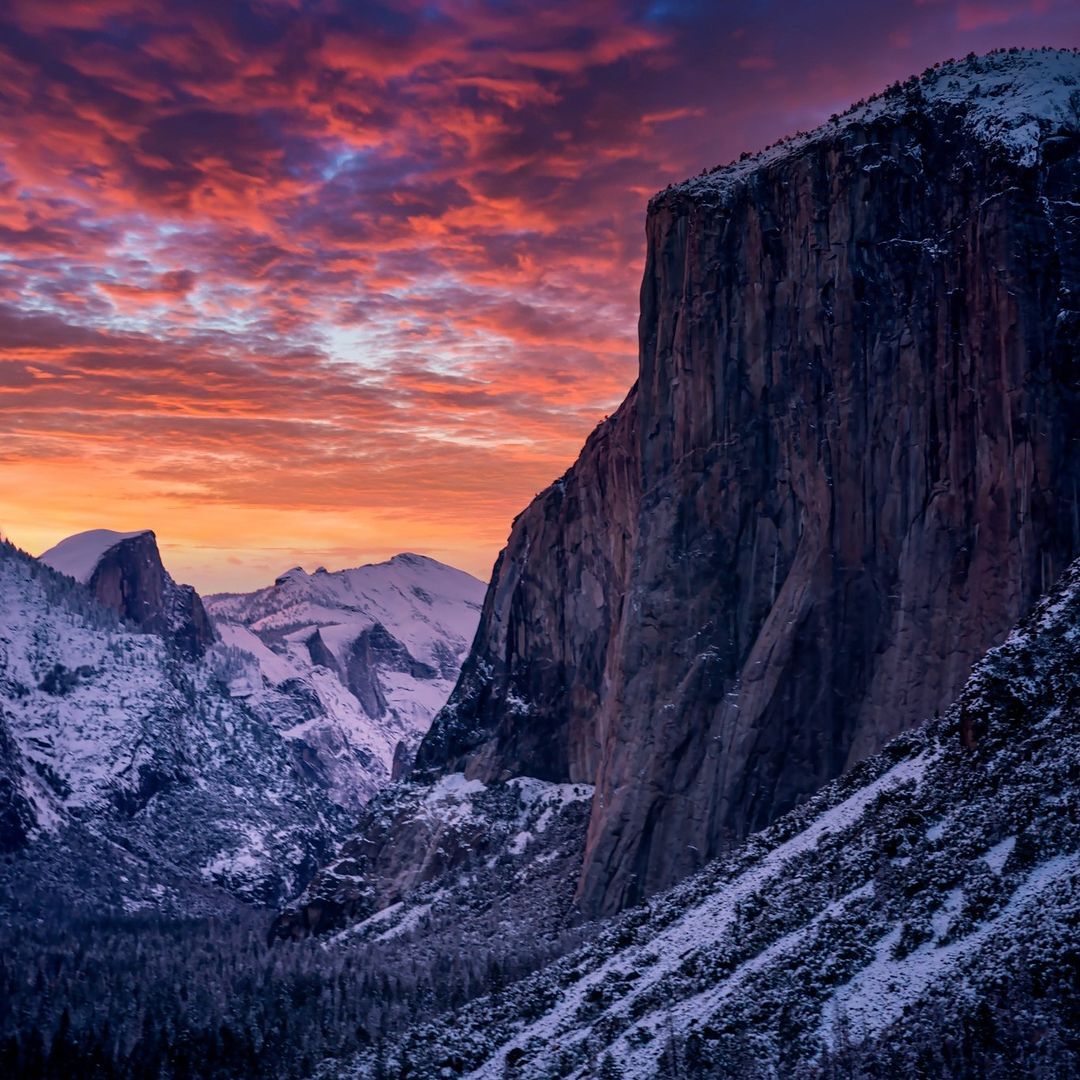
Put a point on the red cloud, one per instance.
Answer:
(976, 16)
(170, 286)
(357, 274)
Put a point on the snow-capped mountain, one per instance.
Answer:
(130, 777)
(923, 905)
(79, 556)
(355, 663)
(145, 763)
(125, 572)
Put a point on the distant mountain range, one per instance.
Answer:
(363, 659)
(159, 752)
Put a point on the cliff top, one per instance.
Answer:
(1014, 98)
(78, 555)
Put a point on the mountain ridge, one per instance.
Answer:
(380, 644)
(138, 772)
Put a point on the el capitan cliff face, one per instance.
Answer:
(860, 469)
(849, 465)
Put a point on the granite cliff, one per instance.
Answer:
(915, 917)
(849, 465)
(124, 572)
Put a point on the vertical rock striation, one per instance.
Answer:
(131, 579)
(850, 463)
(859, 469)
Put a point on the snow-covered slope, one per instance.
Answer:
(934, 886)
(355, 663)
(132, 778)
(79, 555)
(1016, 100)
(145, 760)
(234, 765)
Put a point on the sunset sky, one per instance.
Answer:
(316, 282)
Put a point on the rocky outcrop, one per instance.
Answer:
(131, 579)
(402, 763)
(850, 463)
(375, 650)
(320, 653)
(18, 818)
(124, 572)
(460, 846)
(532, 689)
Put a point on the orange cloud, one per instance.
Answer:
(319, 282)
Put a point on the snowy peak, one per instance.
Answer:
(423, 603)
(78, 555)
(365, 656)
(296, 573)
(1024, 102)
(124, 571)
(410, 558)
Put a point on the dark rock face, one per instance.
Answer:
(849, 465)
(374, 650)
(531, 691)
(192, 630)
(320, 653)
(403, 762)
(131, 580)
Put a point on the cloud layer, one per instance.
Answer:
(296, 281)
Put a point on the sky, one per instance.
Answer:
(311, 282)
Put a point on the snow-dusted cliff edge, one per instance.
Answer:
(849, 465)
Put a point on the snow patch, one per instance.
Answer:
(996, 856)
(702, 924)
(1012, 100)
(79, 555)
(879, 993)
